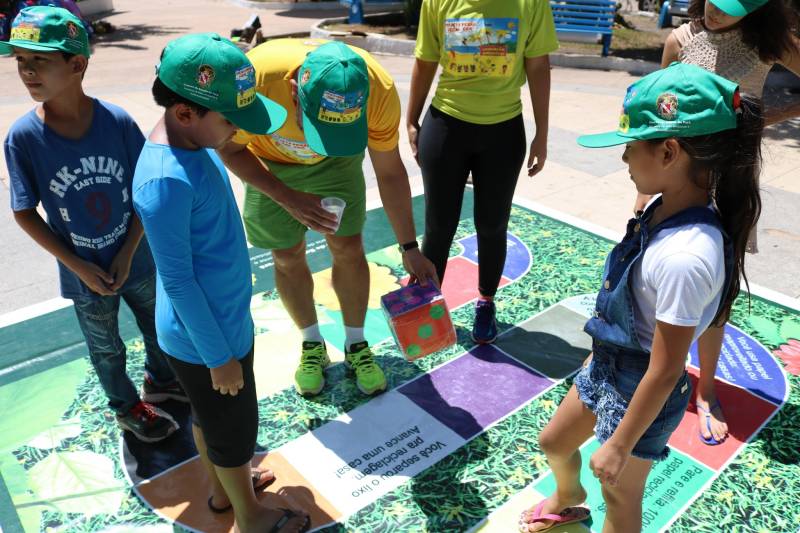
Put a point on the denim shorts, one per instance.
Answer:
(606, 386)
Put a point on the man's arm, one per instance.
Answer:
(396, 197)
(537, 70)
(97, 279)
(302, 206)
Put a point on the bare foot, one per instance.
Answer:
(709, 414)
(261, 478)
(555, 504)
(282, 520)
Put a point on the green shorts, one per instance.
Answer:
(270, 226)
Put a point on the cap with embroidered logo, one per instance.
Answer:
(332, 90)
(678, 101)
(47, 29)
(213, 72)
(738, 8)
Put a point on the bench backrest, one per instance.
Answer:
(595, 16)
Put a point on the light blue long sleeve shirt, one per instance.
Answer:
(185, 202)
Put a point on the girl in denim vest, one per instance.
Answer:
(690, 138)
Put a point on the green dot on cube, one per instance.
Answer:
(425, 331)
(413, 350)
(436, 312)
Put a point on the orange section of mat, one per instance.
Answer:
(181, 495)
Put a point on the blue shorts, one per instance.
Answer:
(606, 386)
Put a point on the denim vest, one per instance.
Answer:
(613, 322)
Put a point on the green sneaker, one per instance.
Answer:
(369, 376)
(309, 377)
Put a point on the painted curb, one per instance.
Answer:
(317, 6)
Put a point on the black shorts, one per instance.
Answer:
(229, 423)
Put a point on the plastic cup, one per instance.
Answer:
(336, 206)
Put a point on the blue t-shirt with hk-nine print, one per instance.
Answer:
(84, 186)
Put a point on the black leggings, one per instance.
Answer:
(449, 149)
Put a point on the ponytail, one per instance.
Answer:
(732, 161)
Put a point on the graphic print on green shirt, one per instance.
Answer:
(481, 46)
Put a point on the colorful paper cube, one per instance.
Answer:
(419, 320)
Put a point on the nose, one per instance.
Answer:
(625, 155)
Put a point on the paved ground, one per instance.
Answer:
(590, 184)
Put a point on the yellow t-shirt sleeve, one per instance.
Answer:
(429, 46)
(383, 118)
(542, 37)
(243, 137)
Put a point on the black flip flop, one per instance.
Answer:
(288, 514)
(256, 476)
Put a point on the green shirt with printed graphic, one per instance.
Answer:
(482, 46)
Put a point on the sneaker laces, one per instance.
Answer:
(361, 358)
(311, 360)
(144, 410)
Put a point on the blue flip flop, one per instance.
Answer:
(711, 441)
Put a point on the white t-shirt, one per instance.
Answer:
(679, 280)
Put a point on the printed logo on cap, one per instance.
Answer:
(667, 106)
(245, 86)
(205, 76)
(72, 29)
(338, 108)
(306, 76)
(624, 123)
(26, 31)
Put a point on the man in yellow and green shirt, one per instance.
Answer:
(341, 102)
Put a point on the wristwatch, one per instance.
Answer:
(408, 246)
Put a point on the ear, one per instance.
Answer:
(183, 114)
(79, 64)
(293, 83)
(669, 152)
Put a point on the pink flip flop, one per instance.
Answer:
(569, 515)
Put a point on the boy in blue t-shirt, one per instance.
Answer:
(182, 193)
(76, 155)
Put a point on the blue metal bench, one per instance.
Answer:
(585, 16)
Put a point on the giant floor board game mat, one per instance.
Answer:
(452, 446)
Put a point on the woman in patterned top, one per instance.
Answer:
(740, 40)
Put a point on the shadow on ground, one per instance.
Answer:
(787, 130)
(128, 35)
(313, 13)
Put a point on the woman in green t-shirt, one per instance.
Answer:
(487, 50)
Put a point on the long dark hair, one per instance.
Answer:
(732, 161)
(767, 30)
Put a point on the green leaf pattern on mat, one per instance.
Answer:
(757, 492)
(78, 482)
(39, 402)
(52, 437)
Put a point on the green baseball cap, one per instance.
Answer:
(214, 73)
(47, 29)
(738, 8)
(678, 101)
(332, 88)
